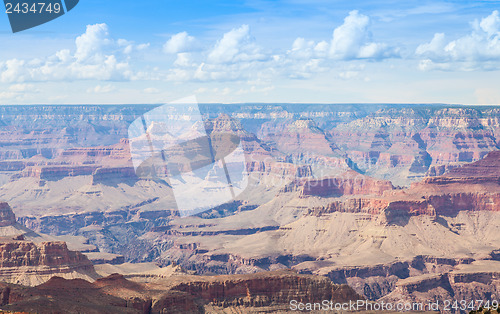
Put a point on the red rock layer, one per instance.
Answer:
(279, 168)
(487, 167)
(24, 253)
(261, 289)
(188, 294)
(300, 136)
(349, 183)
(474, 187)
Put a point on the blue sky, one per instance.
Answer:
(312, 51)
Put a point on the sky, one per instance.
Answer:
(246, 51)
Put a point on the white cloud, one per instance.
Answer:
(223, 72)
(352, 40)
(235, 56)
(92, 42)
(491, 24)
(101, 89)
(96, 57)
(184, 59)
(303, 49)
(236, 46)
(434, 48)
(201, 90)
(13, 70)
(478, 50)
(180, 42)
(304, 59)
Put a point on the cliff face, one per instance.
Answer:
(398, 206)
(488, 167)
(279, 168)
(58, 172)
(372, 206)
(7, 217)
(473, 187)
(417, 140)
(268, 291)
(482, 283)
(369, 235)
(30, 263)
(27, 263)
(52, 254)
(301, 137)
(349, 183)
(383, 136)
(104, 175)
(259, 290)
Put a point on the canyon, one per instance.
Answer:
(399, 202)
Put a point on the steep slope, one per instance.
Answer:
(352, 229)
(182, 294)
(25, 262)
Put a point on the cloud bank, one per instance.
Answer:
(479, 50)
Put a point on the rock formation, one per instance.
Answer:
(348, 183)
(474, 187)
(182, 294)
(29, 263)
(7, 217)
(477, 282)
(65, 171)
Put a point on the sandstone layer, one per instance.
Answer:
(183, 294)
(25, 262)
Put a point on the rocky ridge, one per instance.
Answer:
(181, 294)
(25, 262)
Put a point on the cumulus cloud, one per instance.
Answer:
(96, 56)
(352, 40)
(478, 50)
(301, 61)
(235, 56)
(178, 43)
(184, 59)
(304, 49)
(92, 42)
(235, 46)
